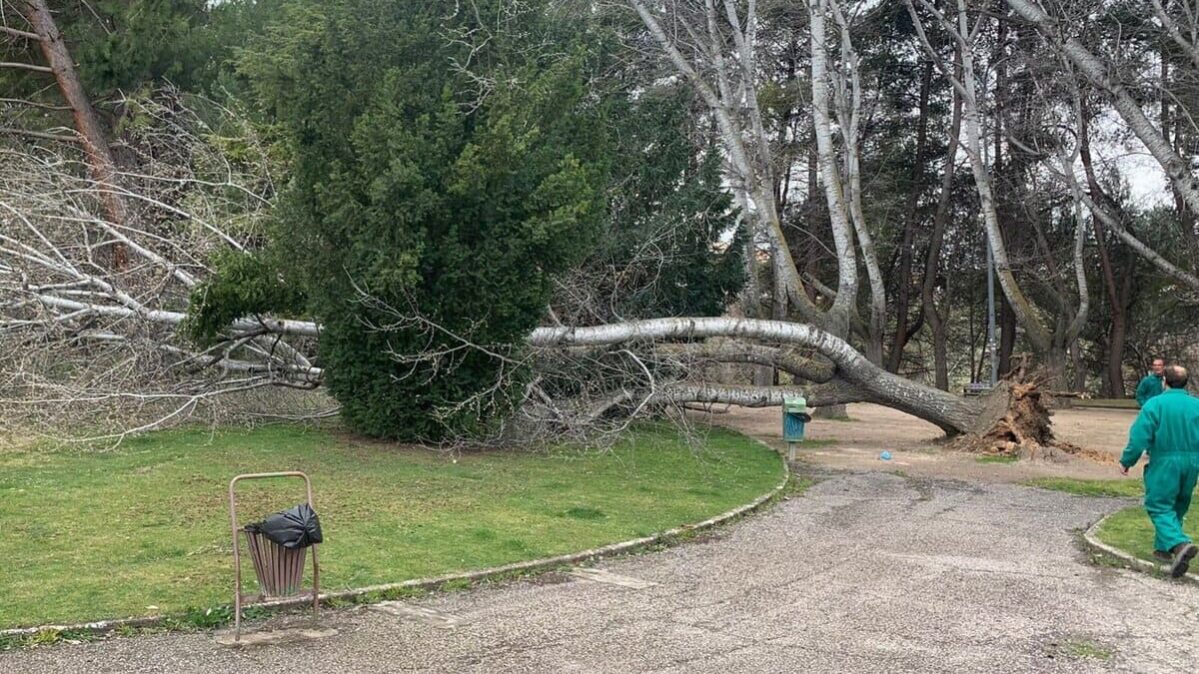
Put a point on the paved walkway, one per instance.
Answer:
(867, 573)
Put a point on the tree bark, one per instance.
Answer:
(1114, 376)
(1096, 71)
(847, 280)
(903, 282)
(951, 413)
(932, 265)
(100, 160)
(849, 107)
(1007, 336)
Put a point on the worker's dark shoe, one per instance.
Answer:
(1163, 556)
(1183, 554)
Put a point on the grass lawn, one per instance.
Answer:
(1126, 488)
(998, 458)
(1109, 403)
(1130, 529)
(144, 529)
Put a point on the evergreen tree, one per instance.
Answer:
(413, 188)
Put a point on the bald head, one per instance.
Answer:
(1175, 376)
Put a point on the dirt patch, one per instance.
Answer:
(918, 448)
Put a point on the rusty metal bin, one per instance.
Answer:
(280, 570)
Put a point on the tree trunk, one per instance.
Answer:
(1080, 368)
(1117, 328)
(1118, 333)
(1022, 307)
(100, 161)
(830, 175)
(1125, 102)
(951, 413)
(751, 305)
(932, 265)
(903, 282)
(1007, 337)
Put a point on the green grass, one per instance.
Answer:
(144, 529)
(1109, 403)
(1130, 529)
(1087, 649)
(1127, 488)
(997, 458)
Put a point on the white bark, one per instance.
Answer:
(830, 175)
(849, 110)
(1096, 71)
(1034, 328)
(951, 413)
(751, 166)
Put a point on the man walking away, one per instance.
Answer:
(1151, 385)
(1168, 430)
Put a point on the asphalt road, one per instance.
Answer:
(866, 573)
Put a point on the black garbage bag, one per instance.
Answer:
(297, 527)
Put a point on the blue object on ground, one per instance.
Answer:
(885, 456)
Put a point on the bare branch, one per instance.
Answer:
(56, 137)
(26, 66)
(23, 34)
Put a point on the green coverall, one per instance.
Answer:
(1168, 429)
(1150, 386)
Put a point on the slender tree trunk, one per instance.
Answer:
(1007, 336)
(100, 161)
(903, 283)
(1080, 368)
(751, 304)
(932, 265)
(830, 175)
(1117, 330)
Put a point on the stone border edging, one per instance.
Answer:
(1091, 538)
(101, 627)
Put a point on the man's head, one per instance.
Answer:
(1158, 366)
(1175, 376)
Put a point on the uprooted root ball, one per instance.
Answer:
(1025, 429)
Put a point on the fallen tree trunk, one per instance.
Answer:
(866, 382)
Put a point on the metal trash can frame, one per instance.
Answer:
(280, 570)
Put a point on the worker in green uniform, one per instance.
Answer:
(1151, 385)
(1168, 430)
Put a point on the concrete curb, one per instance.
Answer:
(1091, 539)
(106, 626)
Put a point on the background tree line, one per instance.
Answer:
(430, 182)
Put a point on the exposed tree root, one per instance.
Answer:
(1024, 425)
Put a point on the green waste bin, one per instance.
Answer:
(795, 418)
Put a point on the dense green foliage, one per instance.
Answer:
(431, 206)
(669, 223)
(421, 213)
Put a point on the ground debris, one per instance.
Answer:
(1023, 427)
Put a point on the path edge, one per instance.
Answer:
(1091, 541)
(495, 573)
